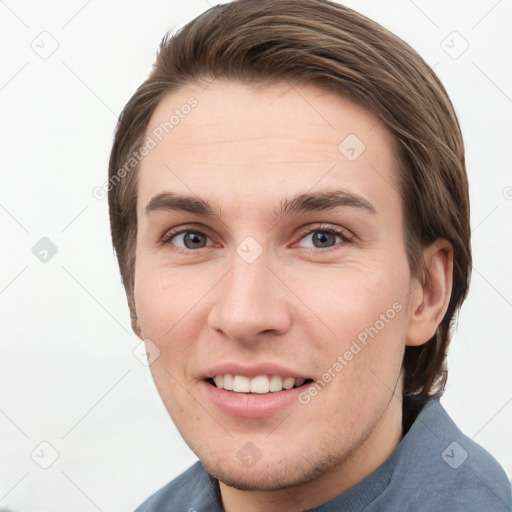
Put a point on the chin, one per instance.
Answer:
(268, 476)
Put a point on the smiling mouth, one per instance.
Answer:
(261, 385)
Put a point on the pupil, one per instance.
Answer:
(323, 238)
(194, 239)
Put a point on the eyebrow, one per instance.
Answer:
(301, 203)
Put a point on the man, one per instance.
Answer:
(289, 207)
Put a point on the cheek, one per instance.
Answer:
(347, 302)
(165, 310)
(362, 315)
(163, 297)
(170, 314)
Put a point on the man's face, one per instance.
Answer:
(250, 292)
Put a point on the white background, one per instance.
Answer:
(68, 375)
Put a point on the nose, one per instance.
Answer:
(251, 303)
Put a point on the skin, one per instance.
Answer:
(245, 149)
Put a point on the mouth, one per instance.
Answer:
(259, 385)
(253, 391)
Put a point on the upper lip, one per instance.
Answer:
(252, 371)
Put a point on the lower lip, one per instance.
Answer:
(251, 405)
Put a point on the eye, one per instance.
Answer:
(324, 237)
(186, 239)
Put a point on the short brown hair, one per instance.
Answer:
(326, 44)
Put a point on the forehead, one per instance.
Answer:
(253, 142)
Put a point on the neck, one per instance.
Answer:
(363, 461)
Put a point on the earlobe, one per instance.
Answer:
(430, 300)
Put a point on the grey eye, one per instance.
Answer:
(191, 239)
(322, 239)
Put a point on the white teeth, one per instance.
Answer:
(228, 382)
(288, 383)
(241, 384)
(261, 384)
(276, 383)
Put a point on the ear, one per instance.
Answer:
(136, 327)
(429, 300)
(135, 322)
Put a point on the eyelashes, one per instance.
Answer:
(193, 235)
